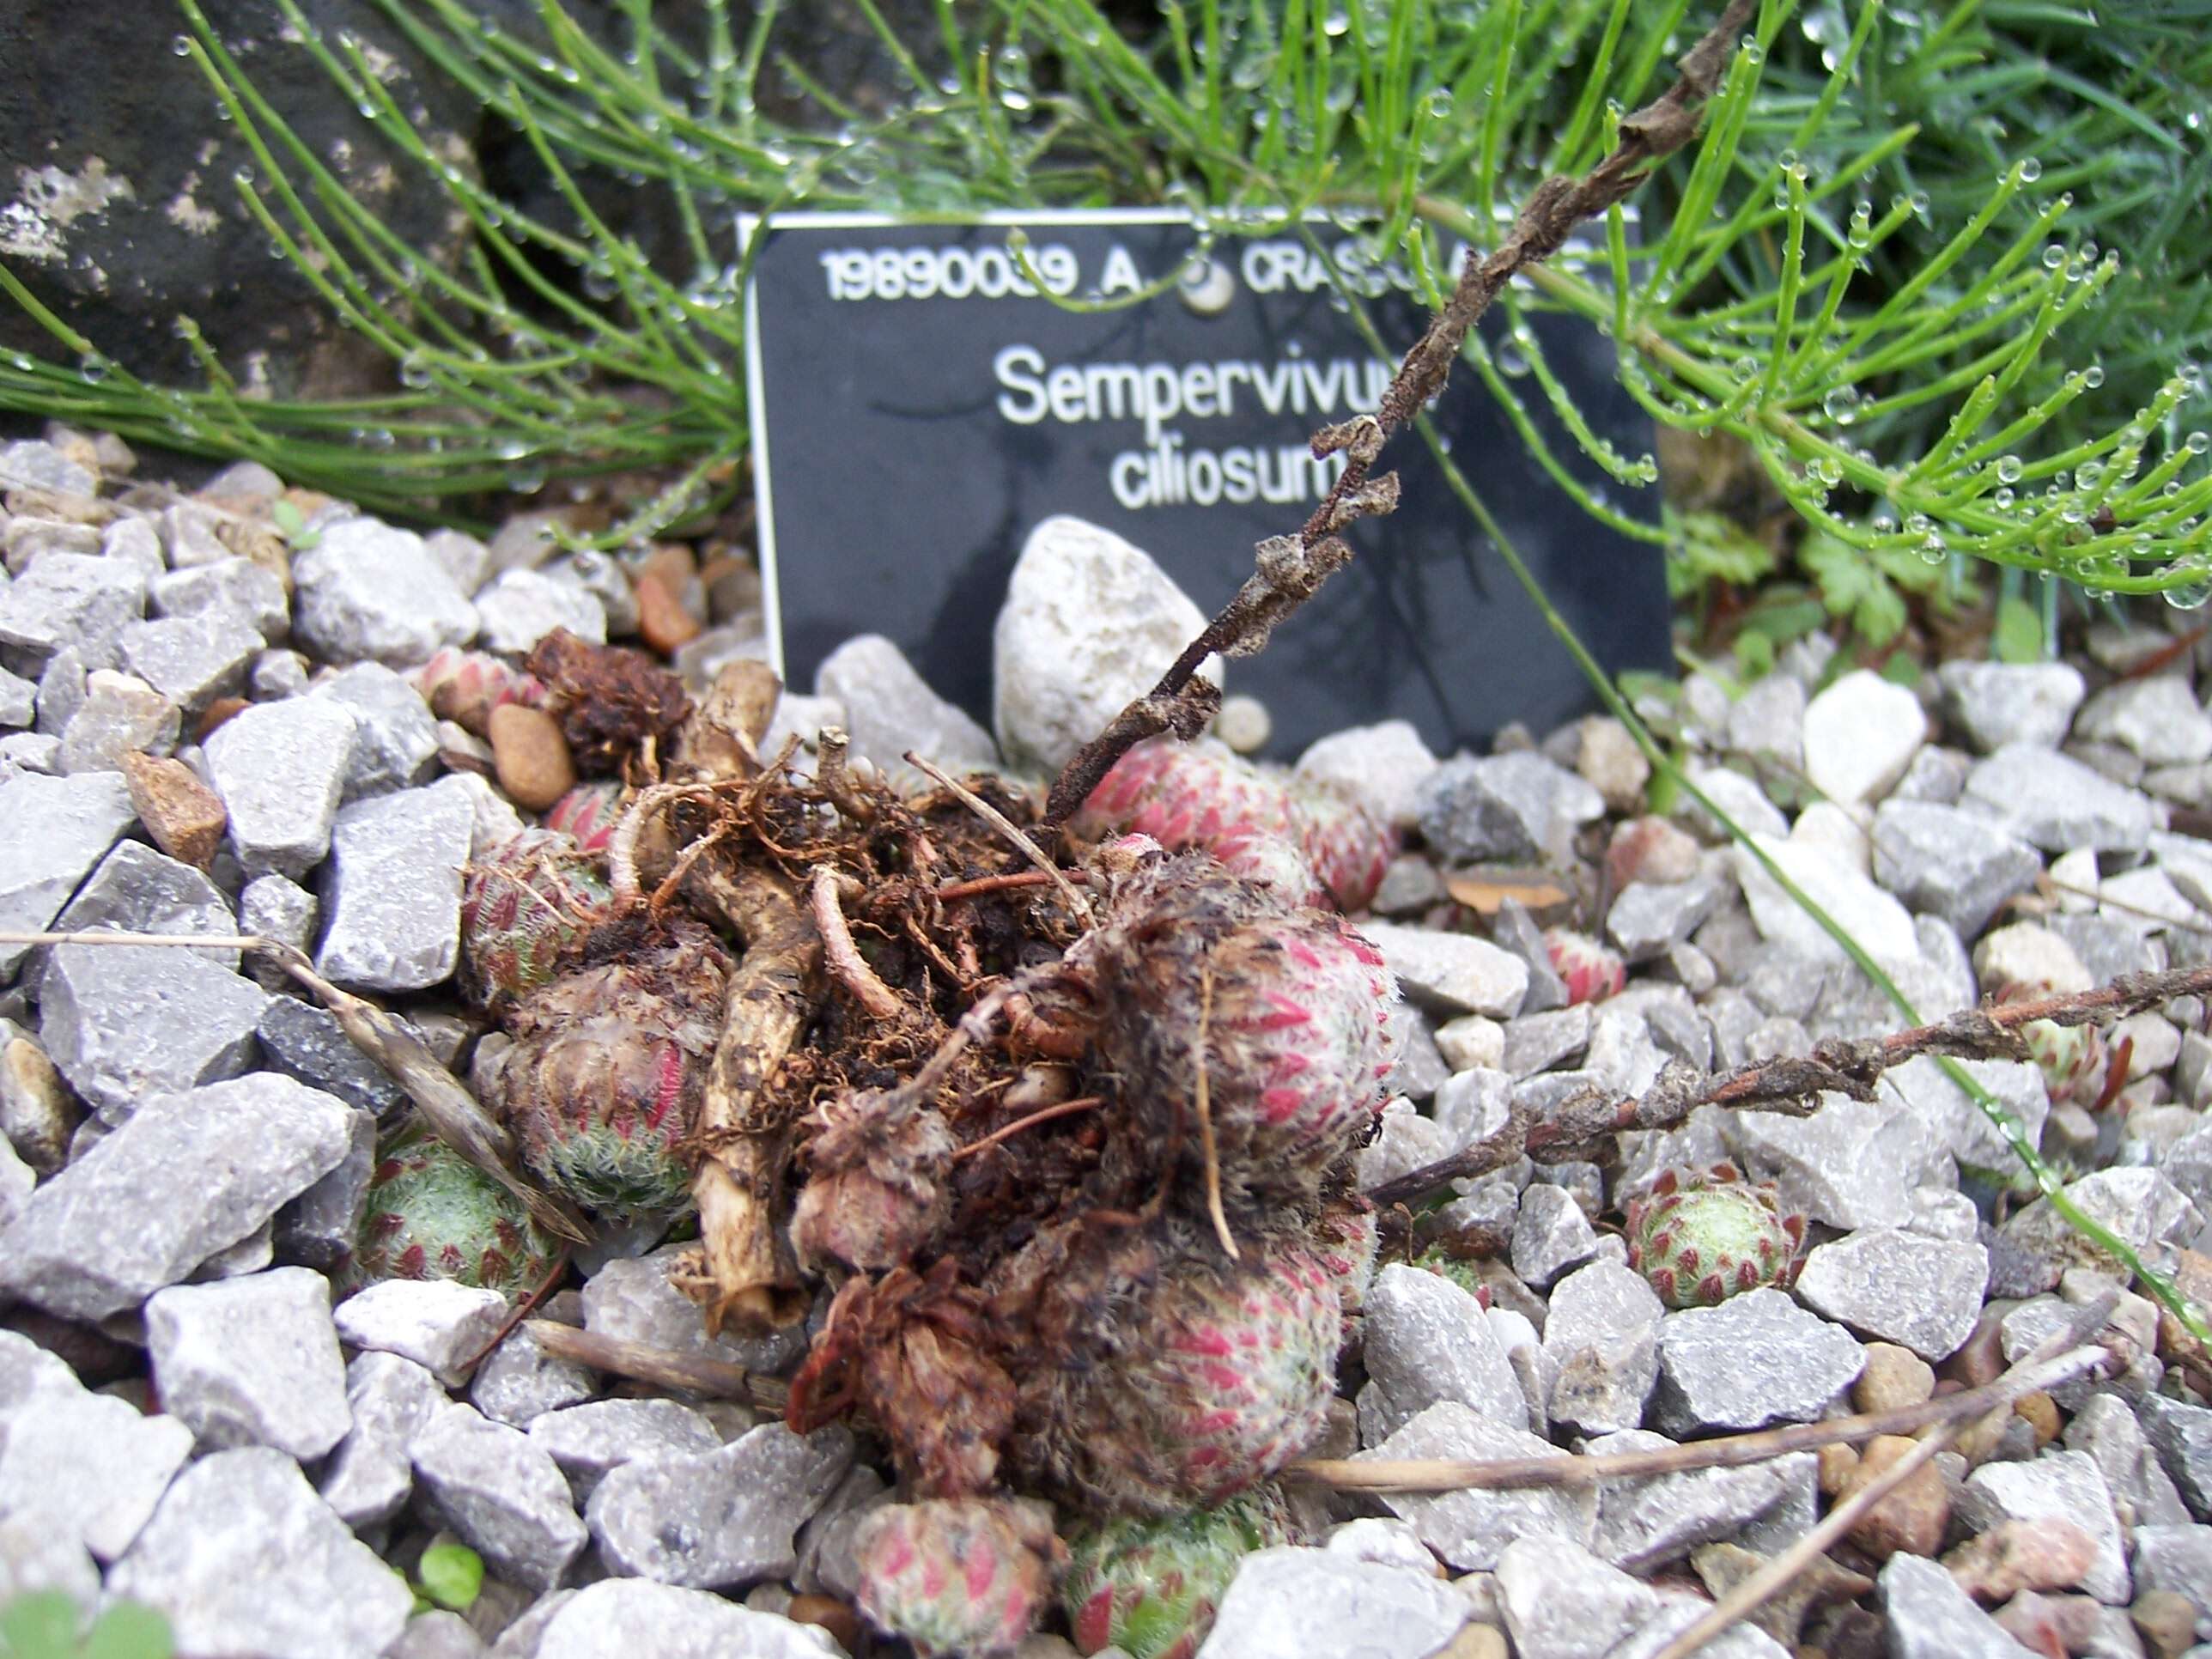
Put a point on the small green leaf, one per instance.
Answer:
(129, 1631)
(2018, 636)
(451, 1575)
(1901, 670)
(1754, 653)
(287, 517)
(41, 1626)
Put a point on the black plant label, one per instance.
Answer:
(923, 396)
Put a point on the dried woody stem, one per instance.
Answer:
(1289, 569)
(745, 1140)
(665, 1368)
(2036, 1371)
(1849, 1068)
(2024, 1378)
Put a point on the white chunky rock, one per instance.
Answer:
(1089, 623)
(1860, 735)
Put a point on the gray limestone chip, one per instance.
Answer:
(307, 1043)
(243, 1559)
(2001, 703)
(33, 464)
(2138, 1204)
(137, 889)
(86, 1468)
(590, 1441)
(1537, 1043)
(2176, 1557)
(2182, 1436)
(74, 600)
(1931, 1616)
(238, 589)
(276, 906)
(1892, 1286)
(1646, 1523)
(18, 700)
(632, 1297)
(52, 830)
(1960, 1128)
(2057, 1486)
(1950, 862)
(191, 660)
(436, 1322)
(1514, 929)
(279, 768)
(661, 1621)
(1290, 1603)
(366, 590)
(519, 1382)
(1552, 1236)
(1470, 1529)
(2105, 1428)
(120, 716)
(1757, 1359)
(320, 1228)
(252, 1362)
(189, 1176)
(396, 737)
(1852, 1163)
(1451, 973)
(1513, 807)
(36, 1558)
(523, 607)
(392, 892)
(1649, 918)
(388, 1400)
(1563, 1602)
(2157, 717)
(505, 1496)
(438, 1634)
(890, 708)
(28, 751)
(2050, 801)
(719, 1518)
(126, 1022)
(1426, 1341)
(61, 691)
(1603, 1333)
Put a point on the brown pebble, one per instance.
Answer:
(830, 1614)
(216, 713)
(662, 621)
(1474, 1642)
(1909, 1521)
(1836, 1464)
(2167, 1621)
(2041, 1412)
(1980, 1358)
(530, 756)
(1893, 1377)
(183, 816)
(2044, 1554)
(669, 562)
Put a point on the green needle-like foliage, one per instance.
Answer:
(1880, 267)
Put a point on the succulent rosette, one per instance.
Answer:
(958, 1578)
(432, 1214)
(602, 1083)
(1700, 1237)
(530, 900)
(1590, 971)
(1152, 1587)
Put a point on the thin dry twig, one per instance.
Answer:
(1756, 1590)
(1204, 1109)
(1795, 1084)
(1730, 1451)
(1288, 570)
(1012, 831)
(843, 958)
(665, 1368)
(1043, 1115)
